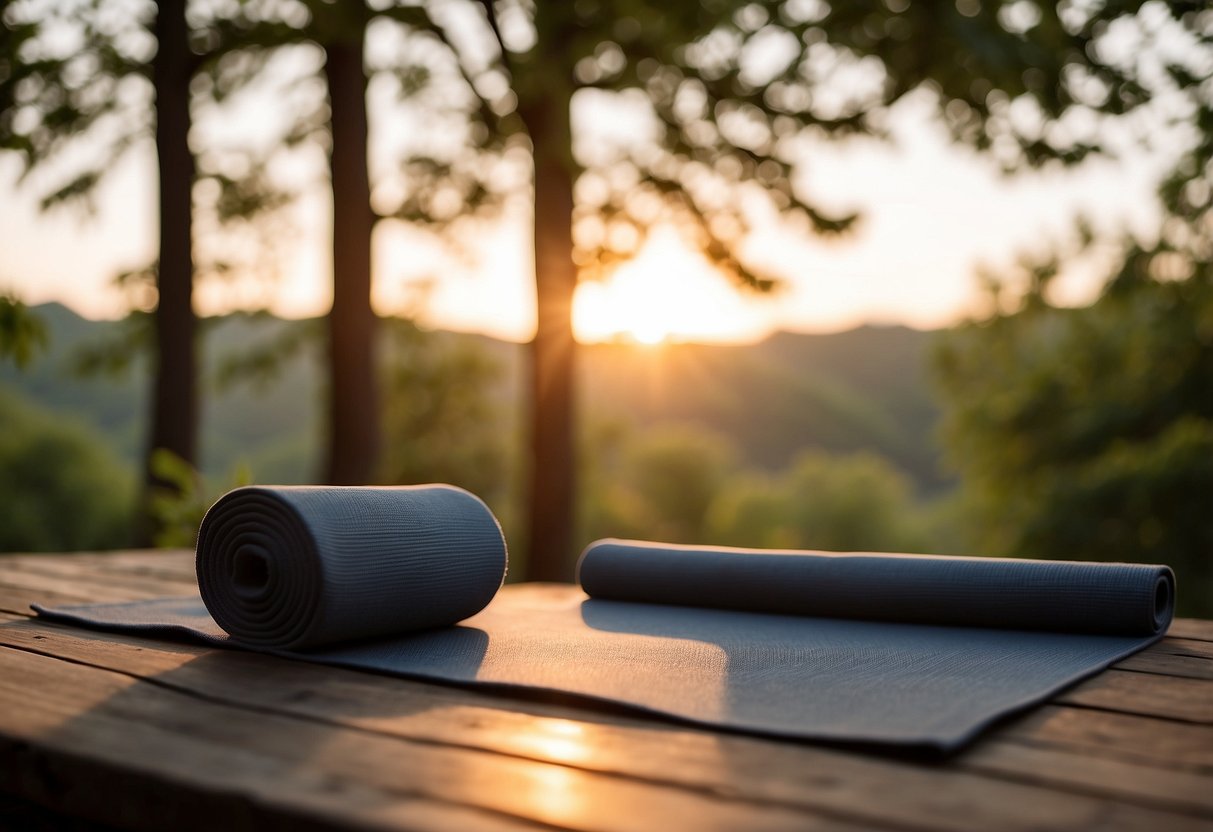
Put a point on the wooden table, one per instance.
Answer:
(102, 731)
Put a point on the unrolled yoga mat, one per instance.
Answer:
(898, 650)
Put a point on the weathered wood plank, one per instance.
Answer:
(92, 577)
(155, 573)
(36, 584)
(309, 768)
(128, 557)
(77, 792)
(1195, 628)
(132, 556)
(72, 757)
(19, 588)
(1159, 743)
(170, 564)
(1169, 664)
(1183, 647)
(16, 600)
(1189, 658)
(1095, 775)
(28, 816)
(142, 580)
(803, 776)
(1170, 697)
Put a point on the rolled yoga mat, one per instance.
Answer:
(1056, 596)
(887, 650)
(298, 567)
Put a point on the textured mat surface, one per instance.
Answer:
(296, 567)
(934, 681)
(1058, 596)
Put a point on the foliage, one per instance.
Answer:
(22, 333)
(726, 93)
(70, 70)
(76, 96)
(684, 484)
(60, 487)
(659, 484)
(1088, 433)
(442, 419)
(856, 502)
(179, 505)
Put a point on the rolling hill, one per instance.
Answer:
(865, 389)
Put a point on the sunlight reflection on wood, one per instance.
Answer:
(555, 739)
(554, 794)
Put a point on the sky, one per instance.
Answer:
(933, 214)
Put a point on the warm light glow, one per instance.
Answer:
(556, 795)
(667, 293)
(650, 333)
(930, 215)
(556, 740)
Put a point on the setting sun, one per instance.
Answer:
(651, 335)
(667, 293)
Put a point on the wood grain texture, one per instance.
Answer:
(134, 733)
(1193, 628)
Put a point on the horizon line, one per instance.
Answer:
(618, 338)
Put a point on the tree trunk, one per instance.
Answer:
(353, 441)
(553, 493)
(174, 421)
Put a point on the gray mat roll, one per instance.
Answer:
(1057, 596)
(296, 567)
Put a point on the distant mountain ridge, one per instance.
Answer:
(863, 389)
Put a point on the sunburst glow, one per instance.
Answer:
(667, 293)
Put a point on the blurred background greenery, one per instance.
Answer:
(1032, 427)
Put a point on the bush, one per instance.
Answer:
(853, 502)
(682, 484)
(61, 488)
